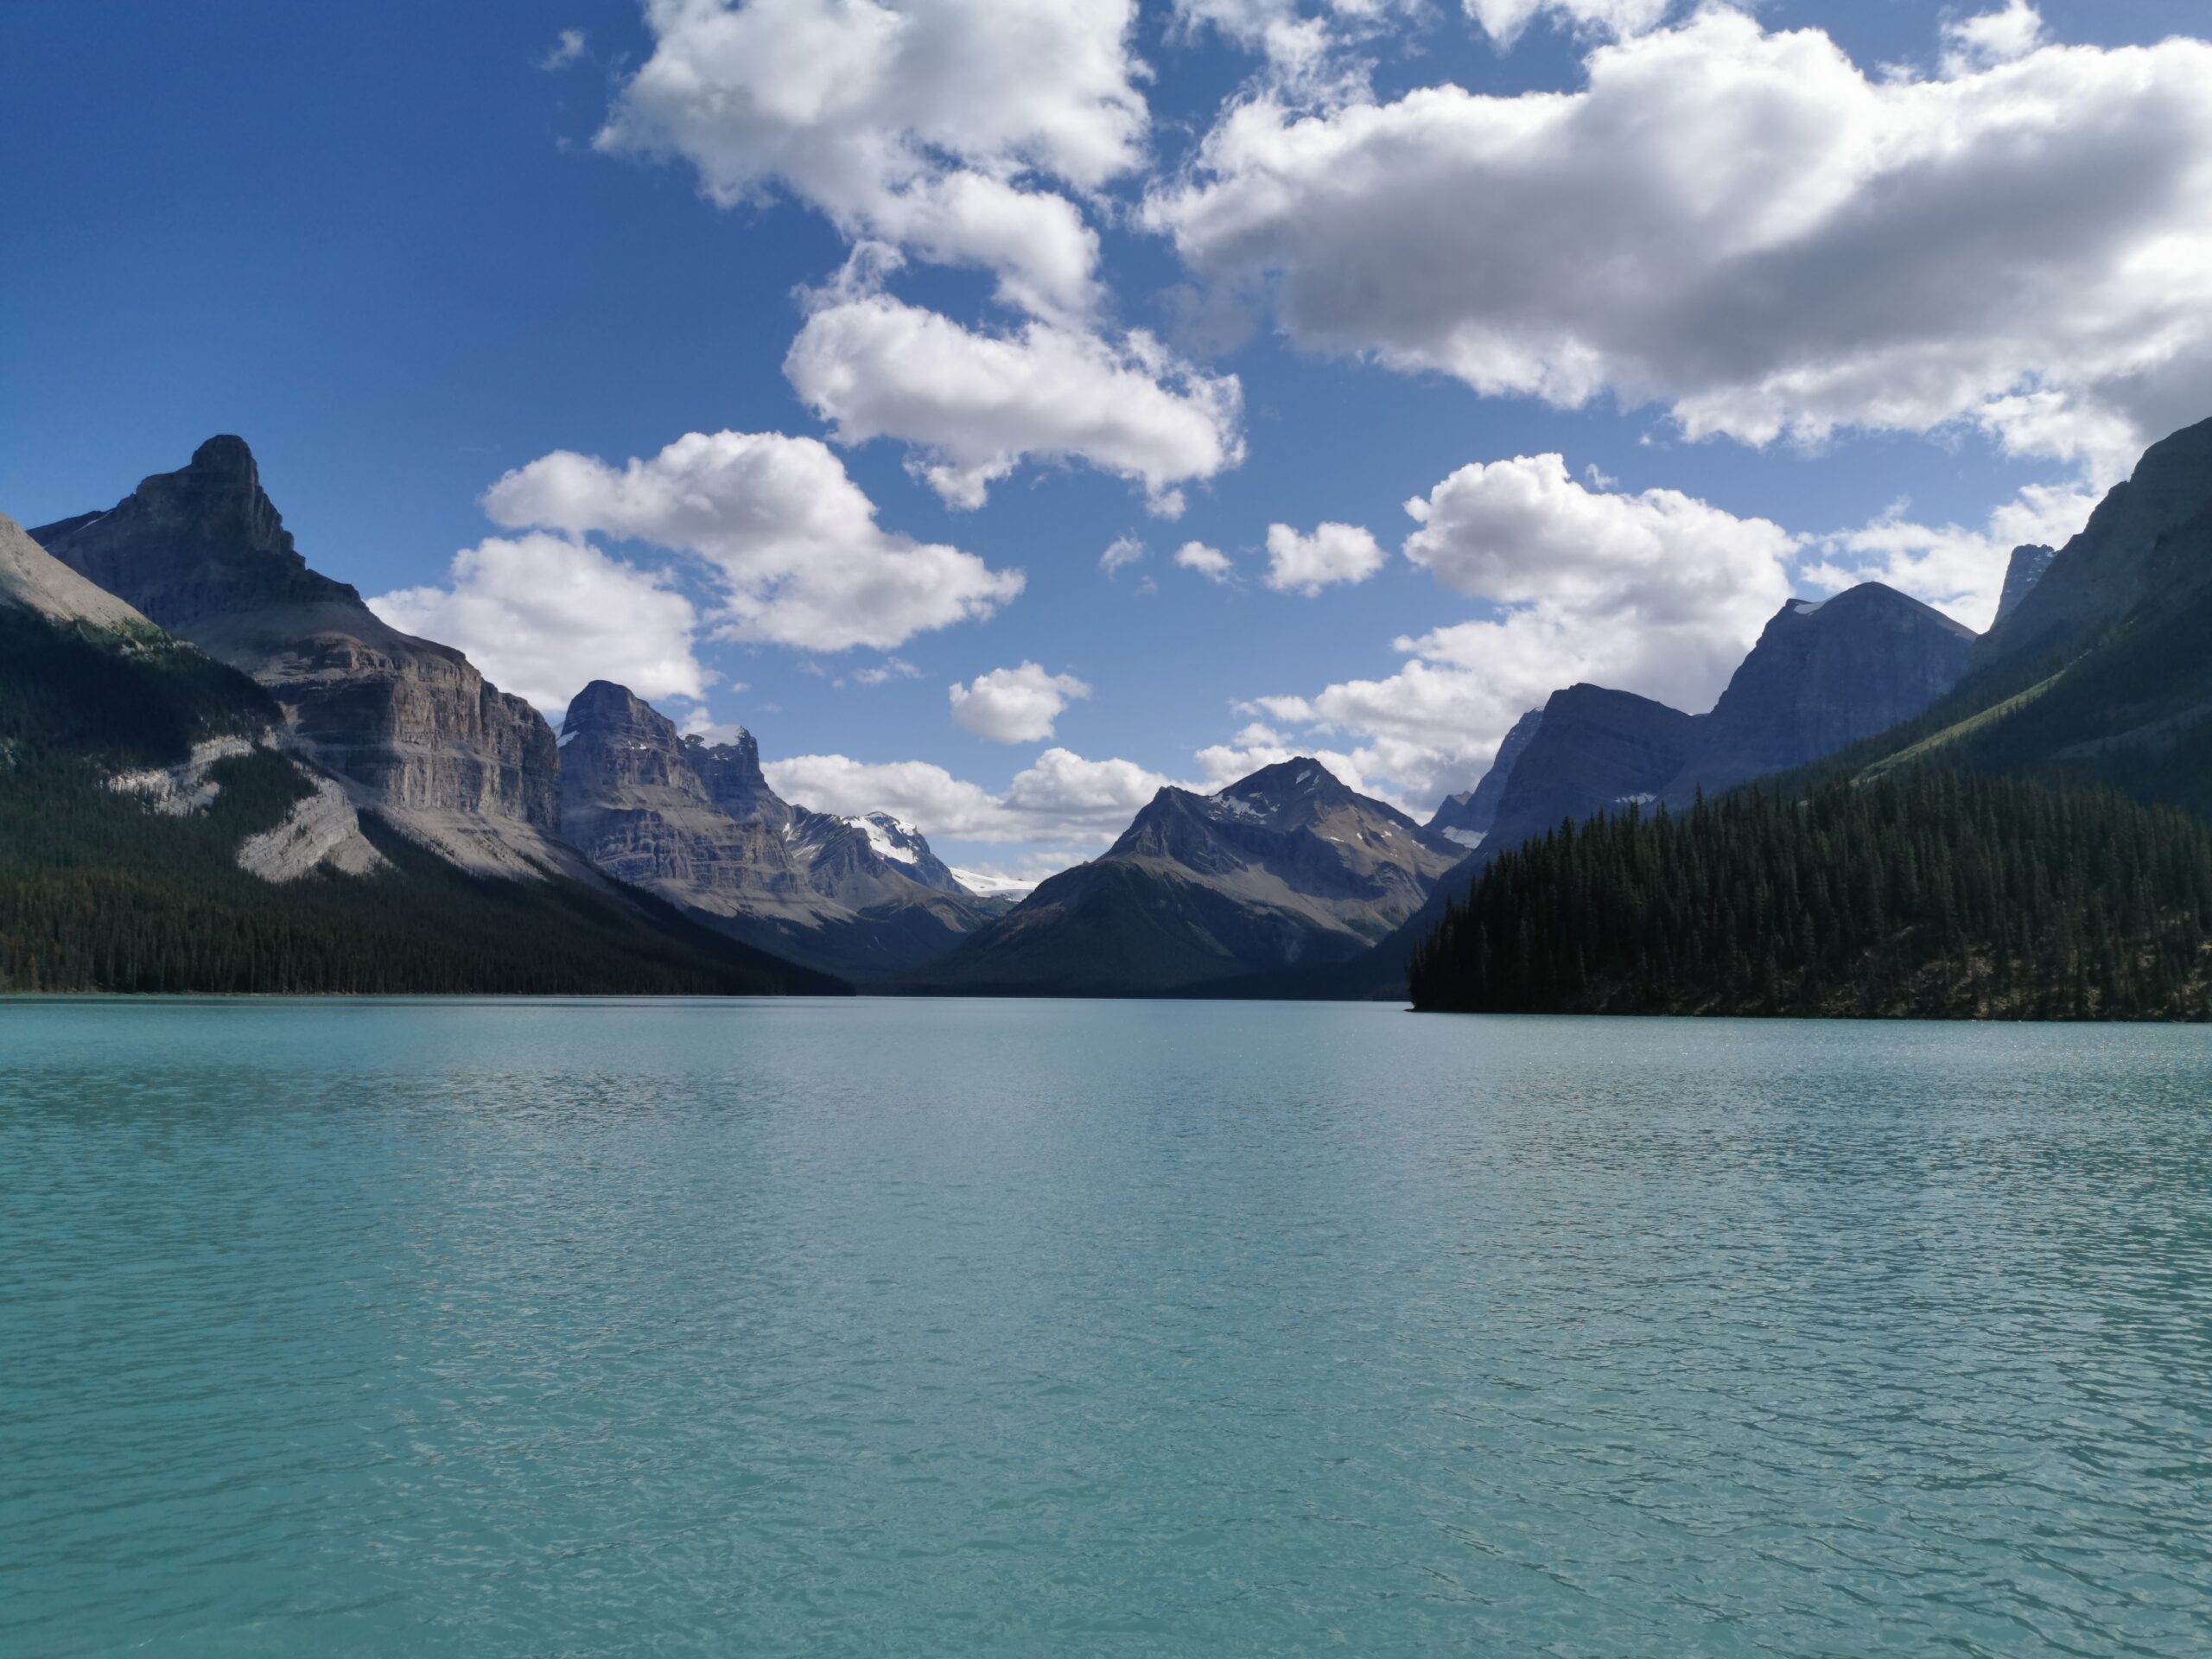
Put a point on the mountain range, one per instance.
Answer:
(178, 650)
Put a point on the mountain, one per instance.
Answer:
(1286, 866)
(158, 834)
(2149, 539)
(1824, 674)
(1466, 818)
(697, 824)
(2022, 571)
(1981, 859)
(409, 727)
(33, 579)
(2102, 676)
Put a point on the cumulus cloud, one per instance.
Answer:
(1060, 798)
(974, 404)
(1745, 227)
(1333, 553)
(1209, 562)
(936, 126)
(541, 615)
(1990, 38)
(792, 539)
(1956, 568)
(1014, 705)
(1654, 592)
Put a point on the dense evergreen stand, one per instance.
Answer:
(1926, 892)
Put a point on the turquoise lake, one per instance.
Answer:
(936, 1328)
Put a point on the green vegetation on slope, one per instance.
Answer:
(1926, 894)
(99, 893)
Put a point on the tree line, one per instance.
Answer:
(1925, 893)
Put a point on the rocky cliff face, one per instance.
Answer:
(410, 727)
(697, 824)
(1284, 867)
(2022, 571)
(1824, 675)
(1465, 818)
(2150, 536)
(1597, 751)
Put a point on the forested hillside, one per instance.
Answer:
(99, 892)
(1924, 892)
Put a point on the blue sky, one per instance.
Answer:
(1871, 289)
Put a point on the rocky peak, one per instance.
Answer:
(409, 725)
(603, 709)
(202, 543)
(1824, 674)
(2022, 572)
(732, 774)
(906, 847)
(1287, 795)
(2150, 536)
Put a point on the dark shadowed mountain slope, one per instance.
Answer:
(1284, 867)
(2102, 676)
(1823, 674)
(1465, 818)
(410, 728)
(698, 823)
(2150, 539)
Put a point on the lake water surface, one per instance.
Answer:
(936, 1328)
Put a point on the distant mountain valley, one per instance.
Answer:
(245, 737)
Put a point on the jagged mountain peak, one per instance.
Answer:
(410, 725)
(2147, 539)
(214, 504)
(1299, 778)
(2022, 571)
(604, 706)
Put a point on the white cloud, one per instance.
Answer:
(1060, 798)
(1209, 562)
(1503, 20)
(568, 47)
(1990, 38)
(1121, 553)
(1958, 570)
(541, 615)
(1333, 553)
(1655, 593)
(1014, 705)
(974, 404)
(793, 539)
(927, 125)
(1744, 226)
